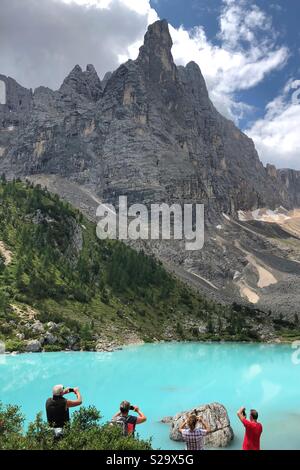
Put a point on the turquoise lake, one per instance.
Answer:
(164, 379)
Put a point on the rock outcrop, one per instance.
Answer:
(33, 346)
(49, 338)
(81, 83)
(291, 180)
(216, 417)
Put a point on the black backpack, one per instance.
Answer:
(121, 421)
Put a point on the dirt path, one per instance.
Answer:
(203, 279)
(7, 255)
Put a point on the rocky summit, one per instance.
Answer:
(150, 131)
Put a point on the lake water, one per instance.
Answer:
(164, 379)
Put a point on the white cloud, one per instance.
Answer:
(58, 34)
(276, 7)
(240, 21)
(246, 54)
(102, 4)
(276, 136)
(142, 7)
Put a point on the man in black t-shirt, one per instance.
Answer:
(125, 420)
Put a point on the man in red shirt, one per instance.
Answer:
(253, 429)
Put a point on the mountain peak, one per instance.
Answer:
(159, 31)
(155, 54)
(85, 83)
(76, 70)
(91, 69)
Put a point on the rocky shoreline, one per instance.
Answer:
(48, 337)
(30, 335)
(34, 346)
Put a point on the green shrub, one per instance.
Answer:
(52, 348)
(179, 330)
(105, 297)
(87, 345)
(84, 432)
(14, 345)
(6, 329)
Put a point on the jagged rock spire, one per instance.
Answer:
(155, 55)
(85, 83)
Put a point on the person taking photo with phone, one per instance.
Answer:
(57, 407)
(193, 431)
(126, 421)
(253, 429)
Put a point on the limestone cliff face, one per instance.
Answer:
(18, 99)
(291, 180)
(150, 132)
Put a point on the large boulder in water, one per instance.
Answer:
(215, 415)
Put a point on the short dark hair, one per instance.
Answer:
(254, 414)
(125, 406)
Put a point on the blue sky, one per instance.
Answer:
(248, 52)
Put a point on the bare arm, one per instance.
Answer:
(116, 415)
(182, 426)
(142, 418)
(204, 425)
(240, 414)
(77, 402)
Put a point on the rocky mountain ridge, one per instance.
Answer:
(150, 131)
